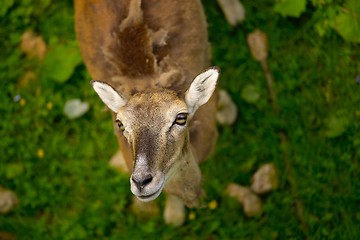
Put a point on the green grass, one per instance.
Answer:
(72, 193)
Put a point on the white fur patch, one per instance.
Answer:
(141, 160)
(201, 89)
(109, 95)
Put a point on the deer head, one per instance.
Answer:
(155, 124)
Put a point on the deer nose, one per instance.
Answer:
(141, 182)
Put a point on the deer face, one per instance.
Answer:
(155, 124)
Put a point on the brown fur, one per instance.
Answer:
(98, 28)
(136, 45)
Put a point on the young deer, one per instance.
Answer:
(150, 57)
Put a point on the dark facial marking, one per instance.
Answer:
(147, 145)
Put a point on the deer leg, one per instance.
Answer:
(144, 209)
(174, 212)
(183, 189)
(118, 162)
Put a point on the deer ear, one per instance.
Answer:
(201, 89)
(109, 95)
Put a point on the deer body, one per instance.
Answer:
(149, 60)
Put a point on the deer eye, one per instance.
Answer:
(120, 125)
(181, 119)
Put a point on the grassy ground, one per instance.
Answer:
(58, 167)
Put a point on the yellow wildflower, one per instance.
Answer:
(213, 205)
(22, 102)
(192, 216)
(49, 105)
(40, 153)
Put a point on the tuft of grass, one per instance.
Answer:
(59, 170)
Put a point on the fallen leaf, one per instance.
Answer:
(265, 179)
(250, 93)
(233, 10)
(227, 110)
(33, 45)
(75, 108)
(252, 205)
(258, 44)
(292, 8)
(6, 236)
(336, 125)
(14, 170)
(8, 200)
(347, 22)
(27, 78)
(237, 191)
(251, 202)
(61, 61)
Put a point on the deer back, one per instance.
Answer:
(138, 44)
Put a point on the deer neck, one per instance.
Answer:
(185, 177)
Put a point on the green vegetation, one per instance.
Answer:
(59, 167)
